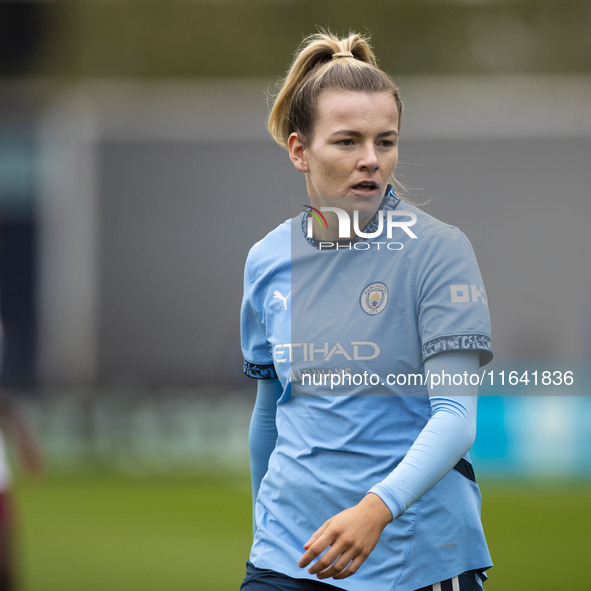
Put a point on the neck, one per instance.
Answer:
(338, 227)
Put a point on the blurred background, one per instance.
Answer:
(135, 174)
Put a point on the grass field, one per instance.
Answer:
(110, 533)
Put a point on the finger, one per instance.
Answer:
(316, 549)
(315, 546)
(307, 558)
(339, 565)
(331, 556)
(316, 535)
(351, 568)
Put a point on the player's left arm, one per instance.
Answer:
(351, 535)
(446, 438)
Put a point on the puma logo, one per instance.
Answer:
(277, 295)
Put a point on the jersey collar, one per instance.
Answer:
(390, 201)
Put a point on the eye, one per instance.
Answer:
(345, 142)
(387, 143)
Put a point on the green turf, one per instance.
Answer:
(109, 533)
(539, 535)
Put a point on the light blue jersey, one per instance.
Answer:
(346, 330)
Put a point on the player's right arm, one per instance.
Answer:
(262, 435)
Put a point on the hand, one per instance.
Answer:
(350, 536)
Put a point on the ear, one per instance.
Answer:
(297, 153)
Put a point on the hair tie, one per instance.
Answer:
(342, 54)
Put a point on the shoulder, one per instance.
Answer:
(436, 236)
(271, 251)
(428, 225)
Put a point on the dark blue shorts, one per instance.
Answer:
(259, 579)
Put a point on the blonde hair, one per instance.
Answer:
(324, 61)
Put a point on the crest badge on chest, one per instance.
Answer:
(374, 298)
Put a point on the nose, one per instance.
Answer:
(369, 159)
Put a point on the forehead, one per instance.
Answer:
(361, 111)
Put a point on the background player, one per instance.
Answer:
(15, 427)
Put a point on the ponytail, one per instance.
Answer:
(324, 61)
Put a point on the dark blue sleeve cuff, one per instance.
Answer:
(259, 371)
(469, 342)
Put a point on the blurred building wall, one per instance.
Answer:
(154, 192)
(142, 200)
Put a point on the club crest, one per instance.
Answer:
(374, 298)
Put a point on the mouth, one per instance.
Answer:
(365, 188)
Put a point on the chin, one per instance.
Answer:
(367, 206)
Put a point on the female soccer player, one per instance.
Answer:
(365, 322)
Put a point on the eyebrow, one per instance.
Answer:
(354, 133)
